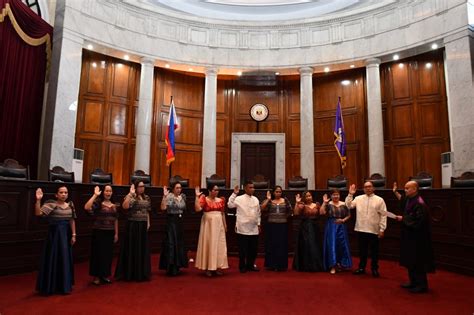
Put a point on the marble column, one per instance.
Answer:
(374, 118)
(307, 126)
(59, 115)
(145, 116)
(209, 126)
(459, 74)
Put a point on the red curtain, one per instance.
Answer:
(25, 50)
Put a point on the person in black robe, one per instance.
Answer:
(416, 251)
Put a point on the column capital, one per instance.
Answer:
(147, 61)
(211, 71)
(306, 71)
(372, 62)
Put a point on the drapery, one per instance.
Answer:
(25, 53)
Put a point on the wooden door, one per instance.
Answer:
(257, 158)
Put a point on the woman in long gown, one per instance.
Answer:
(104, 234)
(336, 251)
(307, 250)
(56, 271)
(134, 263)
(211, 254)
(276, 230)
(173, 252)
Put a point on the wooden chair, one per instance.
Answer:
(10, 169)
(424, 180)
(99, 177)
(183, 181)
(466, 180)
(260, 182)
(377, 180)
(58, 174)
(216, 180)
(298, 183)
(141, 176)
(337, 182)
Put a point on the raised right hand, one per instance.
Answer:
(269, 195)
(298, 198)
(395, 187)
(97, 191)
(165, 191)
(236, 189)
(132, 189)
(352, 189)
(39, 194)
(197, 191)
(326, 198)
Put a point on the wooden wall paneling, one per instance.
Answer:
(405, 162)
(107, 114)
(400, 80)
(403, 122)
(327, 165)
(93, 117)
(430, 160)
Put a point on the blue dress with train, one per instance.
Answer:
(336, 250)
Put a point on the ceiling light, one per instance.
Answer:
(326, 69)
(167, 65)
(190, 69)
(94, 65)
(352, 66)
(400, 65)
(90, 47)
(126, 57)
(120, 65)
(434, 46)
(428, 65)
(277, 73)
(345, 82)
(396, 57)
(239, 72)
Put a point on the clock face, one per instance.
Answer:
(259, 112)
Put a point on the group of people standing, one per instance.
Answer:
(134, 263)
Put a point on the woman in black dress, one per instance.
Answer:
(276, 230)
(173, 253)
(56, 271)
(307, 251)
(104, 234)
(134, 262)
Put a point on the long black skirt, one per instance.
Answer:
(173, 252)
(276, 246)
(56, 271)
(134, 263)
(308, 251)
(102, 249)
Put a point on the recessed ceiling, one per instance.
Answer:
(263, 10)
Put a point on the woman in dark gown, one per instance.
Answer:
(307, 249)
(173, 252)
(276, 230)
(56, 271)
(134, 263)
(337, 254)
(104, 234)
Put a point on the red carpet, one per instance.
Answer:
(264, 292)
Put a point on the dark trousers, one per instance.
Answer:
(418, 278)
(247, 250)
(367, 240)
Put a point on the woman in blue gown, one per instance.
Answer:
(336, 251)
(56, 271)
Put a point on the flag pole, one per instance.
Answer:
(169, 167)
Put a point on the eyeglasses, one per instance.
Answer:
(141, 186)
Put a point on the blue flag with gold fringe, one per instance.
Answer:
(339, 135)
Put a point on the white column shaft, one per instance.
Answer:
(307, 126)
(209, 133)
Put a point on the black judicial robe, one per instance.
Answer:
(416, 250)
